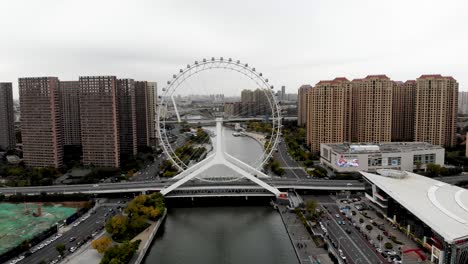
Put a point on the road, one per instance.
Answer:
(292, 169)
(80, 232)
(353, 245)
(158, 185)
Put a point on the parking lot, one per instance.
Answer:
(386, 239)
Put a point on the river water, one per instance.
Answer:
(224, 235)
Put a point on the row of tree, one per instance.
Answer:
(123, 228)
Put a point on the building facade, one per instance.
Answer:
(127, 119)
(100, 121)
(302, 104)
(436, 110)
(403, 111)
(70, 109)
(41, 126)
(406, 156)
(7, 122)
(436, 220)
(372, 109)
(329, 109)
(463, 103)
(145, 99)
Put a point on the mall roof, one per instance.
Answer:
(384, 147)
(442, 206)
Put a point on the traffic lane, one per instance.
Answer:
(344, 244)
(288, 173)
(81, 231)
(49, 252)
(365, 253)
(365, 247)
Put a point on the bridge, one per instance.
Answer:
(236, 119)
(191, 188)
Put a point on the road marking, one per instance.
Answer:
(349, 238)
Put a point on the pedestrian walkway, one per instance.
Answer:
(305, 248)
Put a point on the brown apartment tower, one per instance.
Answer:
(302, 104)
(70, 107)
(329, 109)
(436, 110)
(145, 98)
(41, 127)
(372, 109)
(127, 119)
(403, 111)
(99, 121)
(7, 121)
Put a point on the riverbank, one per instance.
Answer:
(258, 137)
(304, 247)
(146, 238)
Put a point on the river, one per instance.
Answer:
(224, 235)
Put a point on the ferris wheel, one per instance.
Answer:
(170, 110)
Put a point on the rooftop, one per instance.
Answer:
(385, 147)
(441, 206)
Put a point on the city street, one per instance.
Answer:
(354, 246)
(292, 169)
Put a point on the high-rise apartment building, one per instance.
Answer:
(463, 103)
(436, 110)
(145, 98)
(7, 122)
(70, 108)
(329, 109)
(283, 93)
(256, 102)
(127, 119)
(302, 104)
(41, 127)
(100, 121)
(372, 109)
(403, 111)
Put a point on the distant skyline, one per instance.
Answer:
(291, 42)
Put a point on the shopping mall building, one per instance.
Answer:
(409, 156)
(432, 213)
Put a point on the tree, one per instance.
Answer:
(60, 249)
(101, 244)
(122, 253)
(311, 206)
(433, 170)
(117, 225)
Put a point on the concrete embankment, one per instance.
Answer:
(258, 137)
(146, 238)
(281, 210)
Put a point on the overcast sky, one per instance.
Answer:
(291, 42)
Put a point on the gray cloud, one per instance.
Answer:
(292, 42)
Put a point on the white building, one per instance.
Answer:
(342, 157)
(432, 213)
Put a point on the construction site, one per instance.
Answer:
(22, 221)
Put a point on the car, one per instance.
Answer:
(385, 255)
(72, 249)
(337, 216)
(95, 185)
(94, 234)
(348, 231)
(72, 239)
(397, 259)
(391, 252)
(379, 250)
(349, 184)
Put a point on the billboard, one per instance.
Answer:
(347, 162)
